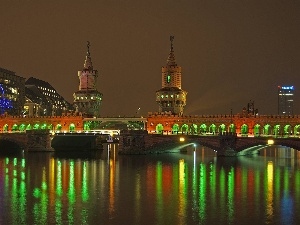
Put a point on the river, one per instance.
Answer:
(192, 187)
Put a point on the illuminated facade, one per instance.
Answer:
(242, 124)
(285, 100)
(171, 98)
(87, 100)
(13, 89)
(43, 100)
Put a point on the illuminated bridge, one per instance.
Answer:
(226, 144)
(69, 123)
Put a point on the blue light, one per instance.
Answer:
(287, 87)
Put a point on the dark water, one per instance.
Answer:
(178, 188)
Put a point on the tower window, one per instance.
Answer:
(168, 78)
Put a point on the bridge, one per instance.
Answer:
(69, 123)
(29, 140)
(225, 144)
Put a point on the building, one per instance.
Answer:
(285, 100)
(171, 98)
(12, 91)
(87, 100)
(43, 100)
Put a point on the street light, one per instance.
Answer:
(195, 147)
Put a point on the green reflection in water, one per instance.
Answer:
(202, 192)
(14, 200)
(23, 176)
(277, 184)
(159, 194)
(23, 163)
(85, 191)
(222, 192)
(22, 202)
(257, 176)
(297, 184)
(44, 199)
(182, 190)
(230, 202)
(71, 194)
(40, 207)
(194, 184)
(212, 182)
(59, 192)
(286, 178)
(37, 193)
(137, 202)
(270, 192)
(15, 161)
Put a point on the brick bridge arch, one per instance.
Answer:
(29, 140)
(15, 140)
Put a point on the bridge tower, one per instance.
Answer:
(87, 100)
(171, 98)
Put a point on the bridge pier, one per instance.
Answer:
(39, 140)
(227, 144)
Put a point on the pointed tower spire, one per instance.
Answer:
(88, 61)
(171, 58)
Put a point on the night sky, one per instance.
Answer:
(230, 51)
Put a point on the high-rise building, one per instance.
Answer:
(87, 100)
(285, 100)
(12, 92)
(43, 100)
(171, 98)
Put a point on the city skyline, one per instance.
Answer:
(230, 52)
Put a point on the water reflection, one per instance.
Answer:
(190, 188)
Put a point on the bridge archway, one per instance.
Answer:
(5, 127)
(256, 130)
(222, 128)
(58, 127)
(14, 128)
(193, 129)
(175, 128)
(28, 127)
(184, 128)
(244, 129)
(276, 130)
(86, 126)
(22, 127)
(72, 127)
(232, 128)
(212, 129)
(287, 130)
(202, 128)
(267, 129)
(159, 128)
(297, 130)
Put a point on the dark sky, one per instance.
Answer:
(230, 51)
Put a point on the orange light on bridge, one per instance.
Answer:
(270, 142)
(181, 139)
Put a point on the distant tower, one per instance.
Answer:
(285, 100)
(171, 98)
(87, 100)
